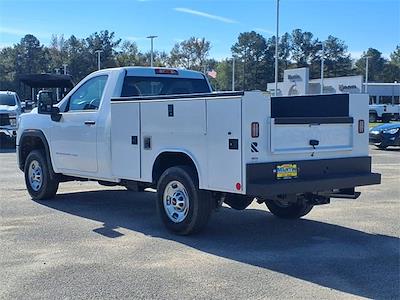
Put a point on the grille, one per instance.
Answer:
(4, 120)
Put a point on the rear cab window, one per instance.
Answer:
(156, 86)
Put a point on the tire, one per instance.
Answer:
(373, 117)
(288, 211)
(37, 177)
(182, 207)
(386, 118)
(382, 146)
(238, 202)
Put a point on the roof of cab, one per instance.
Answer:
(8, 92)
(151, 72)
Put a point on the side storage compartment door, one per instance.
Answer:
(125, 140)
(224, 144)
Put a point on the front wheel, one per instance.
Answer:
(183, 208)
(38, 181)
(288, 210)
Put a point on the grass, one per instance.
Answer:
(380, 123)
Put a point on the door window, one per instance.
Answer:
(88, 96)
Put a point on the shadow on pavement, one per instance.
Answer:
(333, 256)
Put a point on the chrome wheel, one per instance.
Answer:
(176, 201)
(35, 175)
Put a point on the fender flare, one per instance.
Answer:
(38, 134)
(180, 151)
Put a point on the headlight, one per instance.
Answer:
(13, 121)
(374, 132)
(391, 131)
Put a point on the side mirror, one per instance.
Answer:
(45, 105)
(45, 102)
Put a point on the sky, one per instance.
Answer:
(360, 23)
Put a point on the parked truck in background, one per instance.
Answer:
(10, 110)
(165, 128)
(384, 112)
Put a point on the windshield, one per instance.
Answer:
(6, 99)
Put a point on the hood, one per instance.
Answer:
(8, 109)
(386, 126)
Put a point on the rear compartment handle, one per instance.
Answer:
(314, 143)
(90, 122)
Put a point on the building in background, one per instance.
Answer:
(297, 82)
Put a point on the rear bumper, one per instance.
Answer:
(322, 175)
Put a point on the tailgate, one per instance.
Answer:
(320, 123)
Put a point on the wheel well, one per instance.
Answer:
(170, 159)
(27, 144)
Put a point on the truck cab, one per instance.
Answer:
(165, 128)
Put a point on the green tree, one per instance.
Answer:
(128, 54)
(223, 81)
(250, 49)
(190, 54)
(105, 41)
(391, 70)
(304, 48)
(31, 56)
(80, 60)
(57, 52)
(395, 56)
(376, 65)
(337, 60)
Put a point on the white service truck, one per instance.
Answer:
(384, 112)
(164, 128)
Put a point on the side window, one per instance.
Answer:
(88, 96)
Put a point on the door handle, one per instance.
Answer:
(90, 122)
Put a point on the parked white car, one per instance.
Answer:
(164, 128)
(10, 110)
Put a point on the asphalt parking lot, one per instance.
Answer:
(97, 242)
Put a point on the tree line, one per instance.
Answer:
(253, 54)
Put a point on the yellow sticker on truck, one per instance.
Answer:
(286, 171)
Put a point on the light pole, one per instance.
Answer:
(366, 73)
(151, 37)
(276, 47)
(98, 58)
(322, 66)
(65, 69)
(233, 74)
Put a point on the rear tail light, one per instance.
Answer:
(361, 126)
(166, 71)
(255, 130)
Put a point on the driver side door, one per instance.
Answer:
(74, 137)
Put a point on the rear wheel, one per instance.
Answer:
(386, 118)
(38, 181)
(372, 117)
(183, 208)
(288, 210)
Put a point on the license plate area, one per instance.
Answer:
(286, 171)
